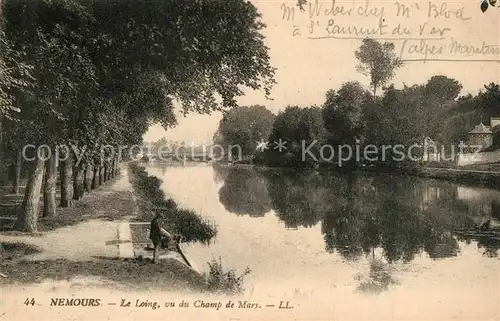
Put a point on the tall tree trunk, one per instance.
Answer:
(105, 176)
(87, 176)
(49, 195)
(27, 218)
(100, 176)
(65, 167)
(17, 173)
(77, 182)
(94, 178)
(112, 169)
(117, 166)
(84, 179)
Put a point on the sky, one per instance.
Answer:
(314, 61)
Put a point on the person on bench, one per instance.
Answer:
(159, 236)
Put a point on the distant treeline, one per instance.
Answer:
(353, 115)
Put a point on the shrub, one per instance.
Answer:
(192, 226)
(220, 281)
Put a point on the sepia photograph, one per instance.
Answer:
(250, 160)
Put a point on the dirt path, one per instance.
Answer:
(84, 241)
(81, 242)
(96, 251)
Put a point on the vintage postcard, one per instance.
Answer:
(249, 160)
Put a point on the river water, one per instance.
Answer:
(358, 246)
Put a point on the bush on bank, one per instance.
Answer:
(186, 222)
(221, 281)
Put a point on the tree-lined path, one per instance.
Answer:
(88, 239)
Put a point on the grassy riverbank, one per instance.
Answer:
(30, 259)
(74, 245)
(115, 273)
(194, 228)
(471, 177)
(480, 175)
(121, 275)
(151, 200)
(493, 167)
(126, 275)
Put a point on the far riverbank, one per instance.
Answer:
(485, 175)
(479, 175)
(467, 176)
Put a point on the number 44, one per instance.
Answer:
(29, 301)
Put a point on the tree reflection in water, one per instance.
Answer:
(379, 278)
(220, 172)
(489, 245)
(293, 203)
(403, 216)
(244, 192)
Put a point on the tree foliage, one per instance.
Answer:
(14, 75)
(378, 61)
(246, 127)
(489, 100)
(343, 111)
(442, 89)
(104, 71)
(204, 49)
(295, 127)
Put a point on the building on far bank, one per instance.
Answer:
(495, 128)
(488, 138)
(480, 135)
(485, 136)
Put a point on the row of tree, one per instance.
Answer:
(93, 73)
(353, 114)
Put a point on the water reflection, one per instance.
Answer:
(292, 202)
(378, 279)
(244, 192)
(358, 213)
